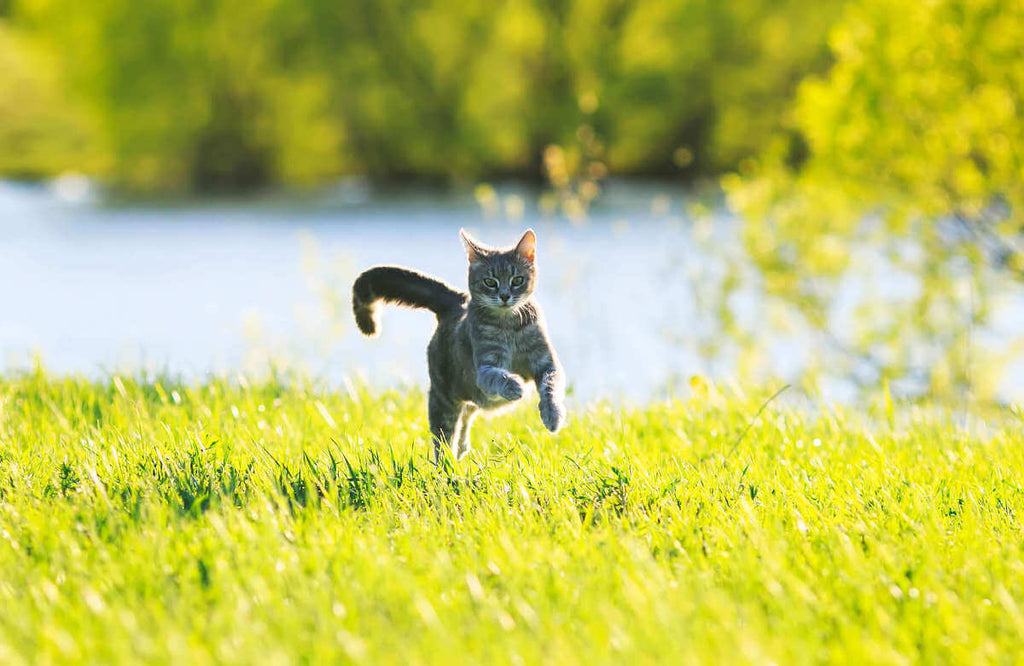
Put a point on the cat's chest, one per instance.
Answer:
(518, 348)
(516, 344)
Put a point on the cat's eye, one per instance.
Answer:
(490, 283)
(518, 280)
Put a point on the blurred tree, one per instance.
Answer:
(689, 84)
(195, 94)
(916, 141)
(41, 133)
(188, 92)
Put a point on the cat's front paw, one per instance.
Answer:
(513, 388)
(552, 414)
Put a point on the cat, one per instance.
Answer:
(487, 344)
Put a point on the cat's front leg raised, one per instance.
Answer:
(495, 381)
(551, 386)
(492, 377)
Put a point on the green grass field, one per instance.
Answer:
(269, 524)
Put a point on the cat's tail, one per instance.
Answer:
(401, 286)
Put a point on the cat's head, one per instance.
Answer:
(501, 279)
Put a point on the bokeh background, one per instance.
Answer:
(822, 193)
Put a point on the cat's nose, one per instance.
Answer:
(505, 297)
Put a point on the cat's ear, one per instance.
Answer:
(473, 249)
(527, 247)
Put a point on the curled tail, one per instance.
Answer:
(401, 286)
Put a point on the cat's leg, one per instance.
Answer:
(462, 443)
(551, 387)
(492, 377)
(443, 416)
(500, 382)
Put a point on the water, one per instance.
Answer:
(225, 287)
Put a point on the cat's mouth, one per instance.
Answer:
(507, 307)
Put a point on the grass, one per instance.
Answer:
(265, 523)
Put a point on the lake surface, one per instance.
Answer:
(223, 287)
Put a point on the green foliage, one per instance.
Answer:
(190, 95)
(924, 105)
(916, 168)
(40, 131)
(226, 93)
(170, 522)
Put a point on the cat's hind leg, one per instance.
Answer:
(443, 415)
(462, 443)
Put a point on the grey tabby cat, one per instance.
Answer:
(488, 343)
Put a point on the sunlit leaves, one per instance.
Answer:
(916, 144)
